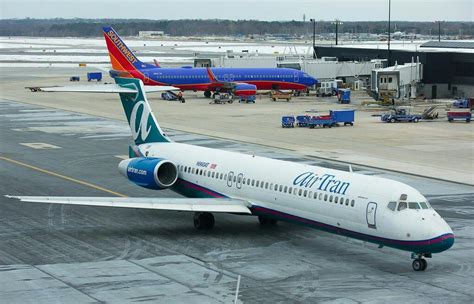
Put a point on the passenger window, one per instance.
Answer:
(320, 196)
(352, 203)
(413, 206)
(256, 184)
(315, 195)
(276, 187)
(193, 171)
(213, 174)
(335, 199)
(300, 191)
(261, 185)
(225, 176)
(208, 173)
(347, 202)
(280, 188)
(305, 193)
(286, 189)
(310, 194)
(341, 201)
(239, 179)
(243, 181)
(392, 205)
(289, 190)
(325, 197)
(253, 182)
(330, 198)
(266, 185)
(402, 206)
(222, 175)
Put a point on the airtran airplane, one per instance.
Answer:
(368, 208)
(238, 81)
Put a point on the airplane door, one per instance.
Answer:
(230, 177)
(240, 177)
(297, 77)
(371, 212)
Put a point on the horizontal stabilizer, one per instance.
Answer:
(102, 88)
(176, 204)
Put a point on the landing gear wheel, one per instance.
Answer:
(425, 264)
(207, 94)
(203, 221)
(265, 221)
(419, 264)
(392, 120)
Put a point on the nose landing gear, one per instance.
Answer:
(419, 263)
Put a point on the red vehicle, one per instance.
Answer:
(460, 115)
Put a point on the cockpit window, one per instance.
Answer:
(413, 206)
(402, 206)
(424, 205)
(392, 206)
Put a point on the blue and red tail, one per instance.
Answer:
(121, 57)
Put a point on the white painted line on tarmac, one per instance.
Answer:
(39, 146)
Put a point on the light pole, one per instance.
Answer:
(314, 37)
(389, 30)
(337, 23)
(439, 29)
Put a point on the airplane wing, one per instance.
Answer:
(101, 88)
(176, 204)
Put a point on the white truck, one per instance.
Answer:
(329, 88)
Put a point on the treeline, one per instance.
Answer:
(131, 27)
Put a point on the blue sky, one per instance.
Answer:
(349, 10)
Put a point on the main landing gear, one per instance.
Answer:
(419, 263)
(203, 221)
(266, 221)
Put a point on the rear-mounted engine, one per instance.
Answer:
(151, 173)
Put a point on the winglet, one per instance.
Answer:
(211, 75)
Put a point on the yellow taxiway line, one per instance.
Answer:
(74, 180)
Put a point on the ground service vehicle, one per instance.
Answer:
(288, 122)
(464, 114)
(94, 76)
(399, 115)
(277, 94)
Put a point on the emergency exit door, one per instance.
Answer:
(371, 215)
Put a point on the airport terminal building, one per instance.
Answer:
(448, 67)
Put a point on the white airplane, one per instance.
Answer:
(368, 208)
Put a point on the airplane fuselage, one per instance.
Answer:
(341, 202)
(197, 79)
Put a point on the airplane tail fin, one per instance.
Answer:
(121, 57)
(140, 117)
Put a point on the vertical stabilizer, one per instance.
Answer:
(140, 117)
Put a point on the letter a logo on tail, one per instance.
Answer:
(143, 124)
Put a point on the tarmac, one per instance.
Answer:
(71, 146)
(435, 149)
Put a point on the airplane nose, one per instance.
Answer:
(447, 242)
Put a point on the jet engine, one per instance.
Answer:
(151, 173)
(245, 89)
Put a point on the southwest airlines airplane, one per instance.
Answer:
(368, 208)
(239, 81)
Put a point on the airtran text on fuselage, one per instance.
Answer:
(121, 46)
(326, 182)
